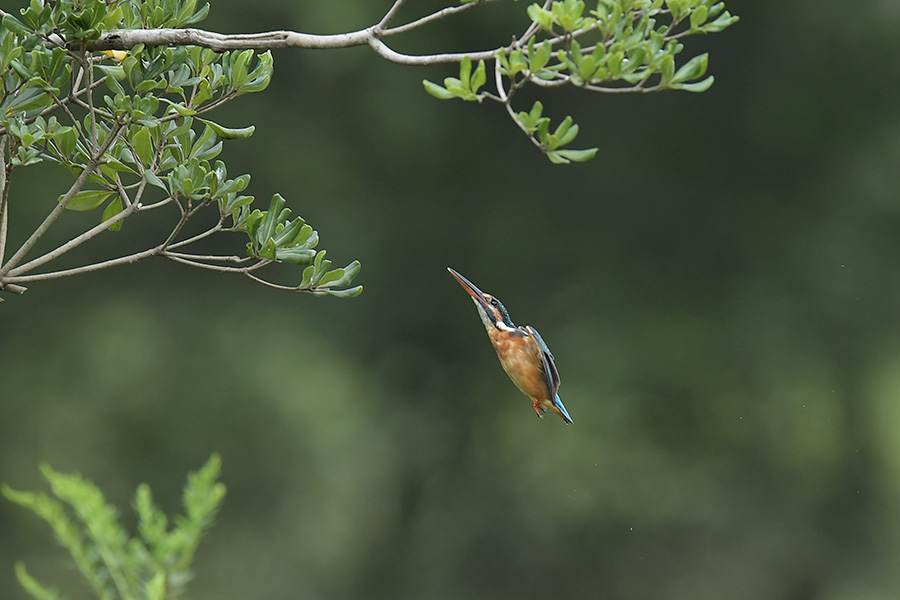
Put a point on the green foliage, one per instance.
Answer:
(132, 122)
(620, 46)
(85, 20)
(625, 41)
(534, 123)
(155, 564)
(466, 87)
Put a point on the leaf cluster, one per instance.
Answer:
(617, 47)
(133, 122)
(82, 21)
(154, 564)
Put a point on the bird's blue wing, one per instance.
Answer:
(540, 341)
(551, 375)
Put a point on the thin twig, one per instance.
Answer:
(89, 65)
(72, 97)
(74, 242)
(158, 204)
(634, 89)
(216, 228)
(389, 15)
(106, 264)
(436, 16)
(384, 51)
(278, 286)
(123, 195)
(534, 28)
(217, 257)
(201, 265)
(524, 129)
(4, 213)
(498, 80)
(61, 206)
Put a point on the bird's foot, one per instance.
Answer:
(538, 409)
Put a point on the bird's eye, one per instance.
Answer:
(494, 302)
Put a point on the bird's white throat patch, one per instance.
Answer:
(489, 323)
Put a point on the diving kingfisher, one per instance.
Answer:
(523, 354)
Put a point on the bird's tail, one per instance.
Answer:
(562, 409)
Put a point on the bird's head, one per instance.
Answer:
(490, 309)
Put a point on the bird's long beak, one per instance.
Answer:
(473, 291)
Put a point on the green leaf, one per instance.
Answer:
(155, 181)
(698, 86)
(330, 277)
(274, 216)
(111, 210)
(578, 155)
(180, 108)
(465, 72)
(321, 265)
(479, 78)
(544, 18)
(693, 69)
(111, 19)
(27, 99)
(308, 273)
(296, 255)
(87, 199)
(724, 20)
(667, 70)
(113, 84)
(14, 25)
(457, 88)
(340, 277)
(143, 145)
(65, 139)
(348, 293)
(196, 17)
(566, 132)
(538, 59)
(698, 17)
(437, 91)
(228, 133)
(239, 68)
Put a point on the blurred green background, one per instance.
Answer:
(720, 288)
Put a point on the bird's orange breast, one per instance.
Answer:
(521, 359)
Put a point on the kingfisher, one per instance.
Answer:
(521, 350)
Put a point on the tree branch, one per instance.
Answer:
(533, 28)
(216, 228)
(436, 16)
(74, 242)
(178, 257)
(72, 97)
(389, 15)
(278, 286)
(4, 214)
(384, 51)
(124, 39)
(210, 257)
(122, 260)
(61, 206)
